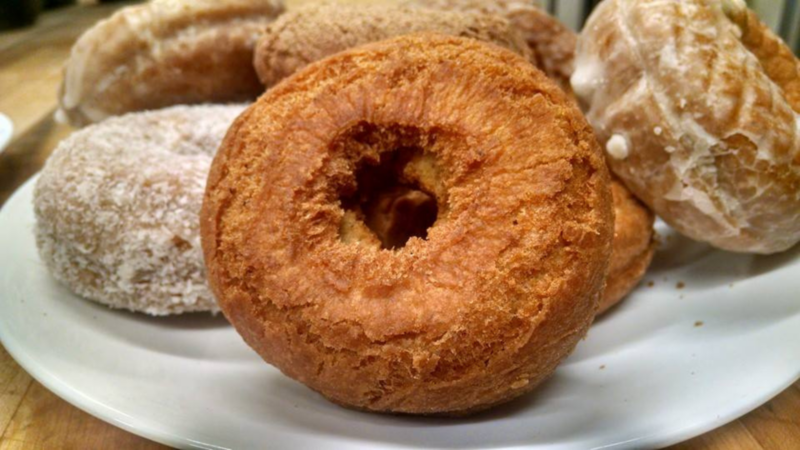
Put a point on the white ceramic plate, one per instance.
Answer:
(648, 374)
(6, 130)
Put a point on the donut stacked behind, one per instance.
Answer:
(164, 53)
(633, 247)
(313, 32)
(552, 44)
(476, 312)
(317, 30)
(117, 209)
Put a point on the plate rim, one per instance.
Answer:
(76, 398)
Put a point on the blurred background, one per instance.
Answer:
(783, 16)
(36, 37)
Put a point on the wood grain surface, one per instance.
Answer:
(31, 417)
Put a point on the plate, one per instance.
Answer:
(716, 335)
(6, 130)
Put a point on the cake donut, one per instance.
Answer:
(633, 247)
(478, 309)
(164, 53)
(551, 42)
(696, 103)
(308, 34)
(117, 208)
(552, 45)
(317, 30)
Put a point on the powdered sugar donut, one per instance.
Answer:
(117, 209)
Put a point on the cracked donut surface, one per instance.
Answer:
(697, 105)
(475, 311)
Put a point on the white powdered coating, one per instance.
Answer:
(117, 208)
(716, 139)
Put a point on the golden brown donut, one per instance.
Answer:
(633, 247)
(163, 53)
(552, 43)
(697, 104)
(317, 30)
(476, 312)
(632, 250)
(553, 48)
(313, 32)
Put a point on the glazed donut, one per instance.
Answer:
(117, 208)
(474, 312)
(164, 53)
(633, 247)
(697, 105)
(313, 32)
(550, 41)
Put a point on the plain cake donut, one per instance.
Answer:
(633, 247)
(476, 311)
(311, 33)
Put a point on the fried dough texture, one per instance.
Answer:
(478, 311)
(633, 248)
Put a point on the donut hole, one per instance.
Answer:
(389, 203)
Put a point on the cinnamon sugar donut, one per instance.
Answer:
(697, 104)
(474, 312)
(117, 209)
(163, 53)
(633, 247)
(551, 42)
(317, 30)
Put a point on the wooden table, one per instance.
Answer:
(30, 415)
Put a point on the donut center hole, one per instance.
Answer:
(391, 204)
